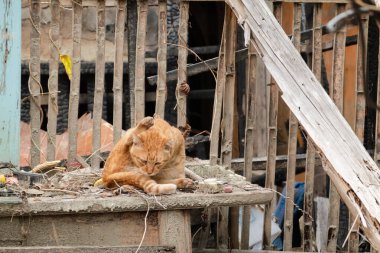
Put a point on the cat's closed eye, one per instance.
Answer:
(142, 160)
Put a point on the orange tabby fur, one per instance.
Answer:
(150, 156)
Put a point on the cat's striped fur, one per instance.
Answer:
(150, 156)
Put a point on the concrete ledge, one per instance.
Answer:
(135, 202)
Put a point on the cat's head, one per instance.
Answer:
(150, 151)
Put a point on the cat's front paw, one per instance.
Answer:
(146, 122)
(185, 183)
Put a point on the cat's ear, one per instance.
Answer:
(169, 145)
(136, 140)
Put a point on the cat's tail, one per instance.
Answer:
(140, 181)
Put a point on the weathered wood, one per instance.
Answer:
(377, 130)
(175, 224)
(353, 242)
(161, 92)
(229, 89)
(218, 101)
(182, 62)
(53, 79)
(336, 91)
(199, 67)
(228, 117)
(10, 81)
(308, 238)
(88, 249)
(249, 138)
(132, 34)
(50, 206)
(118, 71)
(85, 229)
(99, 84)
(34, 83)
(260, 163)
(139, 106)
(351, 164)
(75, 81)
(292, 144)
(272, 147)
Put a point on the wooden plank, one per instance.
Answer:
(272, 147)
(182, 63)
(53, 79)
(88, 249)
(292, 144)
(249, 138)
(351, 166)
(118, 71)
(312, 1)
(92, 3)
(161, 92)
(139, 106)
(129, 116)
(75, 81)
(353, 242)
(337, 95)
(218, 101)
(125, 203)
(175, 229)
(10, 81)
(34, 83)
(99, 85)
(199, 67)
(308, 238)
(227, 119)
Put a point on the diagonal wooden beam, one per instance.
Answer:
(350, 167)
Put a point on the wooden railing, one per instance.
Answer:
(312, 44)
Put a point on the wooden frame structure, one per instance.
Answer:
(354, 175)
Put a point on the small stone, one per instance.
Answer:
(228, 189)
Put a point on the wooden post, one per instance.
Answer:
(292, 145)
(75, 80)
(353, 242)
(161, 92)
(308, 240)
(214, 136)
(132, 30)
(99, 84)
(34, 83)
(346, 161)
(249, 137)
(10, 81)
(337, 95)
(118, 71)
(218, 100)
(228, 114)
(53, 79)
(139, 108)
(175, 229)
(182, 62)
(272, 147)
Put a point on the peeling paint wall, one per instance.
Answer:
(10, 80)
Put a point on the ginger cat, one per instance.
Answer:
(150, 156)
